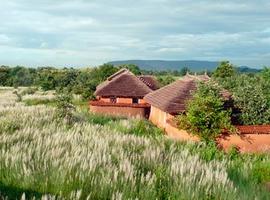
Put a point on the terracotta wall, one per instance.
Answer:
(177, 134)
(122, 100)
(248, 143)
(142, 101)
(139, 112)
(105, 100)
(244, 142)
(159, 117)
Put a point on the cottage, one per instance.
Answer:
(171, 99)
(122, 94)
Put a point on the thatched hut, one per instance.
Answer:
(122, 94)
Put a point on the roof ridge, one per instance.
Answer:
(121, 71)
(118, 75)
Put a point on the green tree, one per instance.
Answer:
(205, 114)
(165, 80)
(225, 69)
(22, 76)
(265, 73)
(252, 99)
(65, 108)
(184, 71)
(4, 75)
(104, 71)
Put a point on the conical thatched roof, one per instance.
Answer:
(123, 84)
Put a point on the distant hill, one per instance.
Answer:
(245, 69)
(193, 65)
(160, 65)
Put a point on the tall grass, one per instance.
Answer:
(44, 158)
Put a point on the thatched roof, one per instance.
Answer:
(123, 84)
(150, 81)
(173, 97)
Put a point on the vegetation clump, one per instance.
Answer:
(251, 95)
(89, 160)
(205, 114)
(64, 108)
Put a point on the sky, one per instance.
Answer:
(92, 32)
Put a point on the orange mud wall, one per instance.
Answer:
(244, 142)
(135, 112)
(158, 117)
(122, 100)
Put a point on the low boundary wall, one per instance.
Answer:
(251, 139)
(120, 109)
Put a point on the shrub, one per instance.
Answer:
(65, 108)
(206, 116)
(225, 69)
(29, 90)
(251, 95)
(18, 96)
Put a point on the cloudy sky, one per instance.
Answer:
(91, 32)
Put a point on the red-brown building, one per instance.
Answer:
(171, 99)
(122, 95)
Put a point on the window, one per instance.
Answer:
(113, 99)
(135, 100)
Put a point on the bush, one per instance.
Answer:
(65, 108)
(29, 90)
(18, 95)
(225, 69)
(206, 116)
(251, 95)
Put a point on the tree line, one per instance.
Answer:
(78, 81)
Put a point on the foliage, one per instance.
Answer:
(4, 76)
(46, 160)
(205, 115)
(184, 71)
(34, 102)
(65, 108)
(18, 95)
(98, 118)
(261, 172)
(225, 69)
(165, 80)
(29, 90)
(139, 127)
(251, 96)
(265, 74)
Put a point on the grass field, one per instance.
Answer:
(113, 158)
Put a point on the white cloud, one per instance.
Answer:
(4, 39)
(99, 30)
